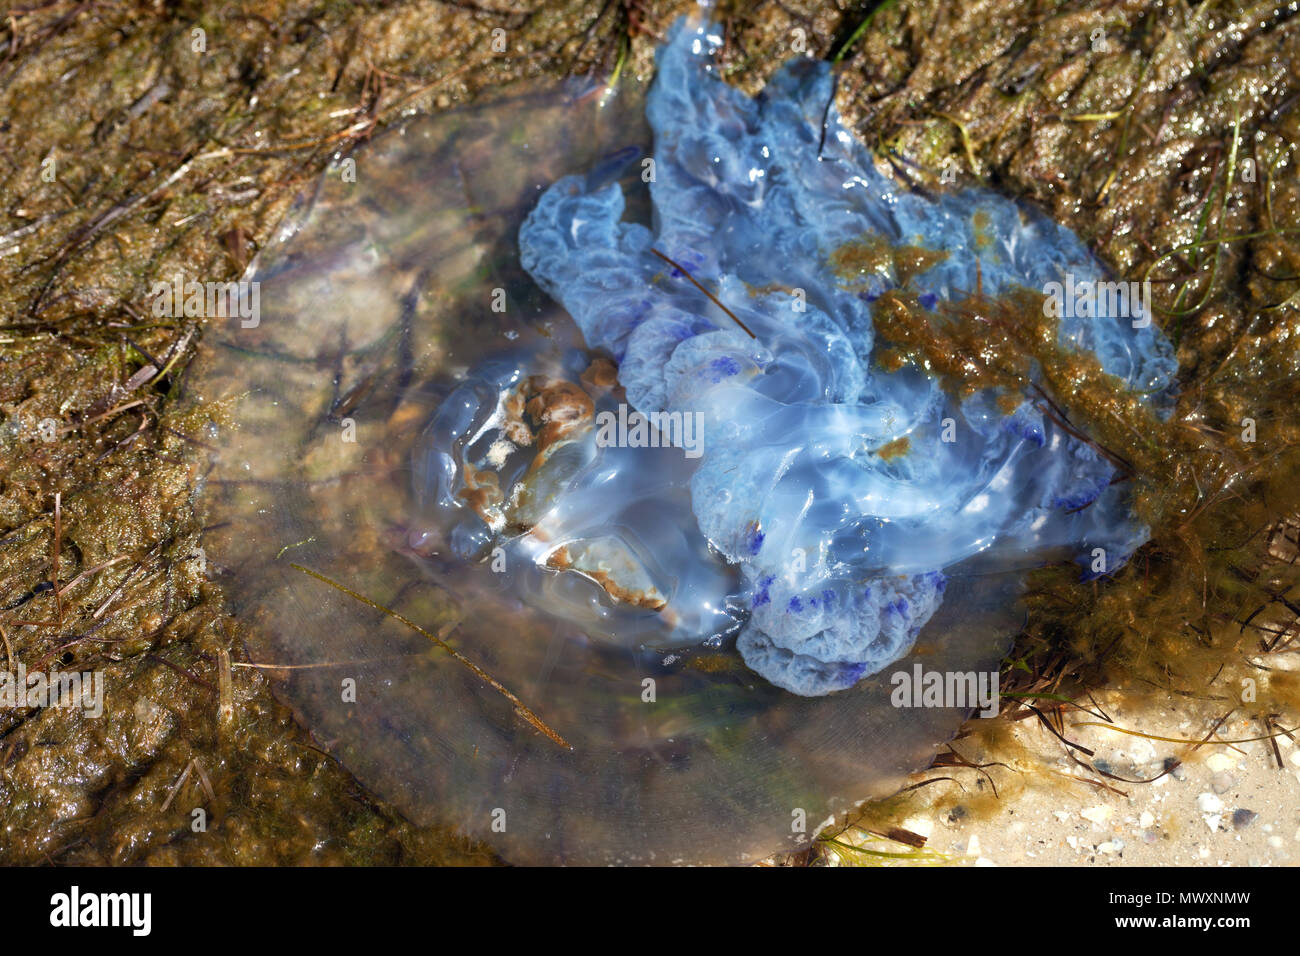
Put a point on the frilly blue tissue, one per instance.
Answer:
(837, 550)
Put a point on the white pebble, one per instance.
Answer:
(1220, 763)
(1098, 814)
(921, 826)
(1209, 803)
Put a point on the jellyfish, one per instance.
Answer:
(564, 490)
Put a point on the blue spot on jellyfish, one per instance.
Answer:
(841, 549)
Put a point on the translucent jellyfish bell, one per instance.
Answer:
(383, 302)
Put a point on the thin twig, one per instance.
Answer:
(716, 301)
(479, 672)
